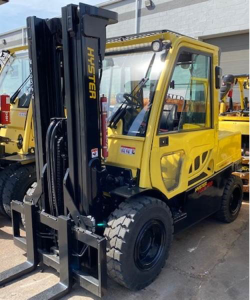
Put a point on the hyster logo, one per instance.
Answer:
(201, 188)
(91, 71)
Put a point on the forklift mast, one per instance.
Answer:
(45, 59)
(83, 32)
(65, 60)
(84, 50)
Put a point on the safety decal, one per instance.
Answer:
(22, 114)
(94, 153)
(128, 150)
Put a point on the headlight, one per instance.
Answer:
(157, 46)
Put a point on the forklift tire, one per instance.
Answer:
(18, 185)
(4, 176)
(231, 200)
(139, 235)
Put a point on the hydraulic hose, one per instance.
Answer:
(48, 142)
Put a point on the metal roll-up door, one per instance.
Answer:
(234, 55)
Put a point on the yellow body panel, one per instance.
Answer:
(229, 149)
(118, 155)
(234, 124)
(168, 168)
(191, 144)
(21, 124)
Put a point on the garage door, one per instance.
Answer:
(234, 54)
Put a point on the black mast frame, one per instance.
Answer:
(81, 36)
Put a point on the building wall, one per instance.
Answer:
(196, 18)
(220, 22)
(204, 19)
(13, 38)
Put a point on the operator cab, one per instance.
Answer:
(14, 79)
(130, 81)
(186, 101)
(15, 82)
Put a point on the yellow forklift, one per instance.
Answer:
(17, 167)
(109, 203)
(234, 116)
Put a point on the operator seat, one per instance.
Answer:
(169, 117)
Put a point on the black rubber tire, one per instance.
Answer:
(18, 185)
(4, 176)
(122, 231)
(233, 190)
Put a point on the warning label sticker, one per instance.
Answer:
(22, 114)
(94, 153)
(127, 150)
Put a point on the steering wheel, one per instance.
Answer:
(132, 100)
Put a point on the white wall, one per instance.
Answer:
(196, 18)
(13, 38)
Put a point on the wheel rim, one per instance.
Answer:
(149, 244)
(235, 201)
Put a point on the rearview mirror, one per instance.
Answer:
(218, 77)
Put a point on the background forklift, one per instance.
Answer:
(115, 208)
(17, 167)
(234, 116)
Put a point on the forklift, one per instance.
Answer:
(234, 116)
(137, 158)
(17, 145)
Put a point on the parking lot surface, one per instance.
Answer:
(207, 261)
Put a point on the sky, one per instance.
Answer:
(13, 14)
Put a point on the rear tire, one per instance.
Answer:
(17, 186)
(4, 177)
(231, 200)
(139, 236)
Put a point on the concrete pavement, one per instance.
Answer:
(208, 261)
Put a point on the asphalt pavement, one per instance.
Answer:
(209, 261)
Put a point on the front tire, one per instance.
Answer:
(139, 236)
(231, 200)
(17, 186)
(4, 177)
